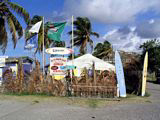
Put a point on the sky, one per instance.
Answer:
(126, 24)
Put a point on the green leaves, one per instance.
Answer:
(103, 50)
(153, 48)
(12, 30)
(3, 34)
(20, 11)
(15, 27)
(82, 33)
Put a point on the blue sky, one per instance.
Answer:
(126, 24)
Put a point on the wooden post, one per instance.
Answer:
(94, 77)
(94, 74)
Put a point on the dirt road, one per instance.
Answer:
(30, 108)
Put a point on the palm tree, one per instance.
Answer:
(103, 50)
(83, 33)
(47, 42)
(6, 16)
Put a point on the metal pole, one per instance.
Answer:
(72, 47)
(72, 40)
(43, 44)
(72, 55)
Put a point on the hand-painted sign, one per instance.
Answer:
(55, 66)
(59, 50)
(57, 55)
(67, 67)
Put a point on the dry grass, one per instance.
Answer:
(35, 84)
(101, 85)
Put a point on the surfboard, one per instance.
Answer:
(120, 75)
(144, 76)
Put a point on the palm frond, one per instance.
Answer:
(75, 32)
(95, 34)
(82, 33)
(20, 11)
(17, 25)
(83, 49)
(3, 35)
(87, 24)
(12, 30)
(77, 41)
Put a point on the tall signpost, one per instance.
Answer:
(72, 47)
(58, 63)
(43, 45)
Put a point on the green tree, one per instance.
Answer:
(47, 42)
(103, 50)
(82, 33)
(6, 16)
(153, 48)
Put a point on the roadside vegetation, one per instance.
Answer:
(38, 84)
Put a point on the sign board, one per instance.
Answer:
(2, 62)
(59, 50)
(57, 55)
(55, 65)
(67, 67)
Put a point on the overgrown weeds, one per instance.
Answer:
(35, 84)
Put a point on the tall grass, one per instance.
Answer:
(36, 83)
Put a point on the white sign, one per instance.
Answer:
(56, 65)
(59, 50)
(2, 62)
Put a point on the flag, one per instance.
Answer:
(32, 42)
(35, 28)
(55, 30)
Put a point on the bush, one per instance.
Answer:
(133, 76)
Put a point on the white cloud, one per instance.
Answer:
(124, 41)
(130, 38)
(151, 21)
(110, 11)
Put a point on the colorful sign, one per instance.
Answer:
(55, 66)
(67, 67)
(59, 50)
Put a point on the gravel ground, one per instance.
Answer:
(29, 108)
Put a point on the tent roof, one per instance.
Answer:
(87, 61)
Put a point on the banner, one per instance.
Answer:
(56, 64)
(55, 30)
(35, 28)
(32, 42)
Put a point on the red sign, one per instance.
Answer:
(56, 64)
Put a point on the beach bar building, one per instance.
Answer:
(12, 63)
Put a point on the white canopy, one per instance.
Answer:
(87, 61)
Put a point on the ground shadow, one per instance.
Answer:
(154, 82)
